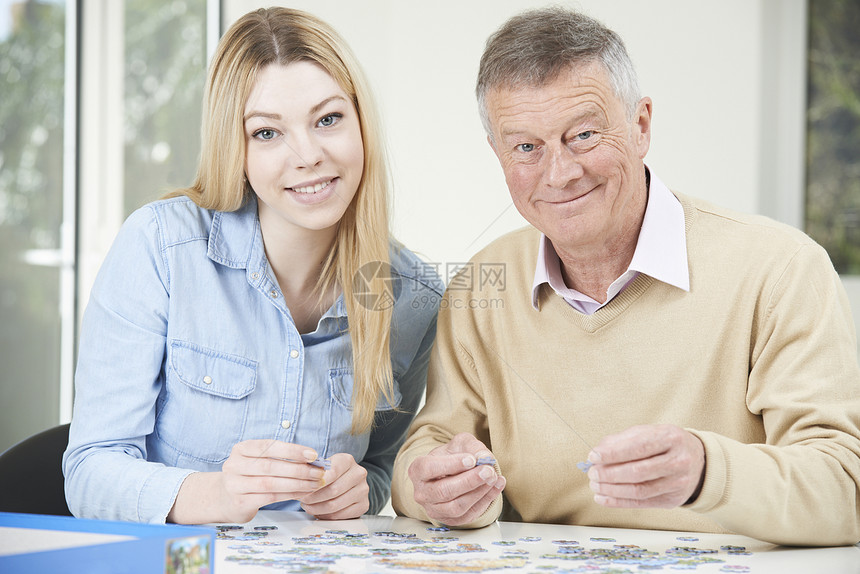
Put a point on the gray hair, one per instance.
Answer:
(533, 48)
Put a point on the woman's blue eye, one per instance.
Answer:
(265, 134)
(329, 120)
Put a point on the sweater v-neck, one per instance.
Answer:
(606, 314)
(552, 303)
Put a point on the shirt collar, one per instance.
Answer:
(235, 240)
(661, 252)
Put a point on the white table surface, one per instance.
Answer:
(280, 548)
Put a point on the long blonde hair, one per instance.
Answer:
(283, 36)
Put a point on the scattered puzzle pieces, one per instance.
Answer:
(480, 565)
(389, 551)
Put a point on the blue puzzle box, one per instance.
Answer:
(41, 543)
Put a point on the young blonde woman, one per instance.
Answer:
(262, 319)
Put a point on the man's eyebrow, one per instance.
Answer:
(313, 111)
(585, 117)
(507, 134)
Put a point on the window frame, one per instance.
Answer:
(93, 211)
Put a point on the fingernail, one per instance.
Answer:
(501, 482)
(488, 475)
(310, 455)
(600, 499)
(594, 457)
(469, 461)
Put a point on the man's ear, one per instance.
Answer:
(642, 126)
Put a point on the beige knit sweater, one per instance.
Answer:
(758, 360)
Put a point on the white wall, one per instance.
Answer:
(701, 63)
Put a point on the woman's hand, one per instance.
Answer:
(257, 473)
(345, 494)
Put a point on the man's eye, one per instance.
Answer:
(526, 147)
(264, 134)
(584, 135)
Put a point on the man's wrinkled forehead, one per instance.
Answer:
(541, 77)
(572, 81)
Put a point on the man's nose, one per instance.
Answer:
(563, 166)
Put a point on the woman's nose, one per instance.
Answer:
(306, 151)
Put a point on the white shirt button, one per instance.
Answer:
(207, 379)
(273, 294)
(294, 354)
(255, 275)
(285, 424)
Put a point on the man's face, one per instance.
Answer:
(572, 159)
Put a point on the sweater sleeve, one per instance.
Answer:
(454, 404)
(801, 486)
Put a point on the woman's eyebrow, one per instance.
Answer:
(313, 111)
(255, 114)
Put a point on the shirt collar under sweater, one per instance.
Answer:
(661, 253)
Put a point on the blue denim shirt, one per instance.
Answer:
(187, 348)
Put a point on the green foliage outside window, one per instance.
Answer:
(833, 136)
(164, 65)
(31, 182)
(165, 72)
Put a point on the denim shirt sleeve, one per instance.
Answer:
(390, 427)
(117, 383)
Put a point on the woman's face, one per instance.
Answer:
(305, 156)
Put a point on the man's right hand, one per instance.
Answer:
(449, 485)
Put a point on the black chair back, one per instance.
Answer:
(31, 474)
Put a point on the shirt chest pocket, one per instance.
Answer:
(205, 408)
(339, 438)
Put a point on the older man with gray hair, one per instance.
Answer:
(700, 364)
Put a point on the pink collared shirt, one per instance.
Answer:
(661, 253)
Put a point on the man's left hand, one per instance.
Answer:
(647, 466)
